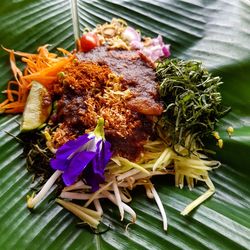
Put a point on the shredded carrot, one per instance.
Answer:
(64, 51)
(16, 71)
(19, 53)
(10, 92)
(42, 67)
(4, 103)
(50, 71)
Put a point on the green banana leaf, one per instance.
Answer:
(216, 32)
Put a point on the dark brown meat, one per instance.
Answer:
(138, 77)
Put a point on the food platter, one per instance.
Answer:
(195, 31)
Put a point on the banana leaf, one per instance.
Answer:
(217, 32)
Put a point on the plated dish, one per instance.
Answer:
(107, 117)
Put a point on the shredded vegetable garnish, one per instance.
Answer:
(42, 67)
(122, 175)
(192, 99)
(107, 132)
(34, 199)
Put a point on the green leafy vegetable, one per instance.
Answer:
(192, 100)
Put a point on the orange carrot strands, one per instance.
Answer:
(16, 71)
(14, 105)
(11, 83)
(18, 53)
(45, 80)
(50, 71)
(4, 103)
(10, 94)
(14, 108)
(25, 71)
(29, 62)
(64, 51)
(39, 65)
(51, 55)
(9, 91)
(42, 67)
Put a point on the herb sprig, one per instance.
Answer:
(192, 100)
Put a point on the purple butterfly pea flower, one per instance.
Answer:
(88, 155)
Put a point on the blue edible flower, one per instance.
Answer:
(87, 155)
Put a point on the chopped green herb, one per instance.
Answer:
(192, 100)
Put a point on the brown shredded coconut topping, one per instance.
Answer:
(87, 91)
